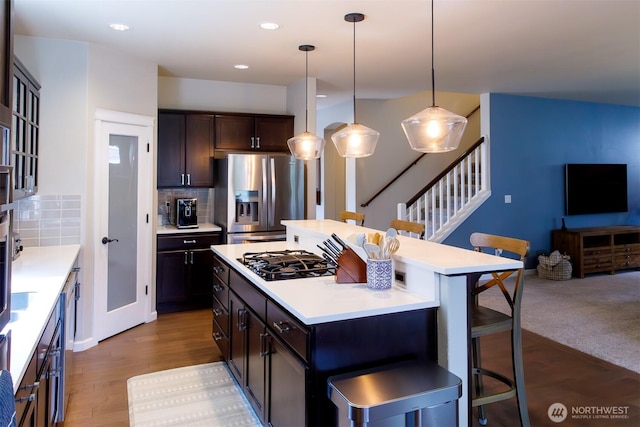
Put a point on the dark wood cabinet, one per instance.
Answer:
(184, 271)
(185, 149)
(253, 132)
(25, 135)
(599, 249)
(283, 365)
(6, 65)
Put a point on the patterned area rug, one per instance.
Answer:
(201, 395)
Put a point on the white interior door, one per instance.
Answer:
(123, 232)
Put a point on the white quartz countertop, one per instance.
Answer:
(202, 228)
(437, 257)
(42, 272)
(321, 299)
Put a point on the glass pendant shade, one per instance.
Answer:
(355, 141)
(434, 130)
(306, 146)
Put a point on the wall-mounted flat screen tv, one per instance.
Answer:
(595, 188)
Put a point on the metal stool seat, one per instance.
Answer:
(410, 393)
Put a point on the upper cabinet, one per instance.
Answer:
(185, 149)
(6, 63)
(238, 132)
(25, 131)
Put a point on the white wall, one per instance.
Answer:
(76, 79)
(209, 95)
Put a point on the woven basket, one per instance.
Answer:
(555, 266)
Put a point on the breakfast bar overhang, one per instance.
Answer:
(431, 271)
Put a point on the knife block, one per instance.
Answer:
(351, 268)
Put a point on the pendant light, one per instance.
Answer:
(434, 130)
(355, 140)
(306, 146)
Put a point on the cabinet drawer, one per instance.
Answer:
(221, 316)
(26, 388)
(627, 249)
(598, 261)
(221, 292)
(288, 330)
(597, 251)
(221, 340)
(627, 261)
(220, 269)
(187, 241)
(248, 293)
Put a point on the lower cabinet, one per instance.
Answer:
(39, 396)
(183, 274)
(282, 365)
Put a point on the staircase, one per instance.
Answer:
(452, 196)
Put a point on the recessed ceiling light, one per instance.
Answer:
(241, 67)
(321, 96)
(119, 27)
(269, 26)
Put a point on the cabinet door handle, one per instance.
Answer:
(186, 254)
(217, 269)
(188, 179)
(282, 327)
(217, 288)
(191, 258)
(257, 142)
(217, 312)
(181, 179)
(217, 336)
(186, 242)
(263, 345)
(253, 142)
(242, 323)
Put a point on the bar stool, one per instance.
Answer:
(358, 217)
(414, 393)
(408, 226)
(486, 321)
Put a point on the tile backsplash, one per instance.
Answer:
(204, 208)
(47, 220)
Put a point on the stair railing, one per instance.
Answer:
(452, 195)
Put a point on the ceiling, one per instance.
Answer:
(585, 50)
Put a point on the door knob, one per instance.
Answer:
(106, 240)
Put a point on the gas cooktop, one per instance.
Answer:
(287, 264)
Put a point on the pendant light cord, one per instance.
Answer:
(306, 91)
(433, 71)
(354, 72)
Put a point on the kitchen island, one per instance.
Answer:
(431, 278)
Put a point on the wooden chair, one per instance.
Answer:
(408, 226)
(486, 321)
(358, 217)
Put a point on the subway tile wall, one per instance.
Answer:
(204, 208)
(47, 220)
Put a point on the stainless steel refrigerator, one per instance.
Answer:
(254, 192)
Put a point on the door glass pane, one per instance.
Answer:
(123, 209)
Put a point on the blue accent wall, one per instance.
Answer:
(531, 140)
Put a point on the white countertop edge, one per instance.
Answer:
(202, 228)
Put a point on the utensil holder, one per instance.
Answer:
(351, 268)
(379, 274)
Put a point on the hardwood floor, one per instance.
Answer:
(554, 373)
(99, 380)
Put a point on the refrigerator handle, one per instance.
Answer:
(272, 207)
(265, 192)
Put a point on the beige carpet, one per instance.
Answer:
(598, 315)
(200, 395)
